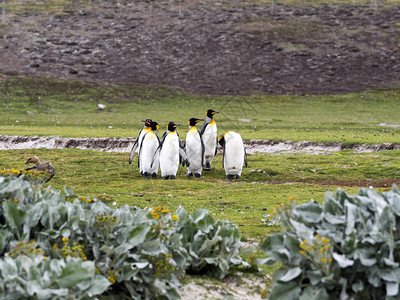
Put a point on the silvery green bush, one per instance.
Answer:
(57, 245)
(213, 245)
(346, 248)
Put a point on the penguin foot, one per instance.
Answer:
(230, 176)
(165, 177)
(146, 175)
(207, 167)
(237, 177)
(197, 175)
(154, 175)
(190, 174)
(173, 176)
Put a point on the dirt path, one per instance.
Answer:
(213, 48)
(125, 144)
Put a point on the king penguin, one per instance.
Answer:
(234, 154)
(210, 138)
(135, 147)
(170, 152)
(148, 146)
(194, 149)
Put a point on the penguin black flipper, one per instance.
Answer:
(134, 147)
(223, 155)
(216, 147)
(203, 129)
(245, 157)
(203, 148)
(159, 146)
(183, 158)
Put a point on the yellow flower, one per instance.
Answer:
(330, 260)
(44, 258)
(303, 252)
(322, 250)
(325, 240)
(324, 259)
(112, 280)
(263, 294)
(309, 247)
(65, 239)
(317, 236)
(175, 218)
(292, 198)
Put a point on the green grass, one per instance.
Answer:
(63, 108)
(269, 180)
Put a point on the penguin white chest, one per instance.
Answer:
(169, 155)
(210, 139)
(140, 137)
(148, 148)
(194, 151)
(233, 153)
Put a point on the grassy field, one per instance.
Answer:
(50, 107)
(270, 180)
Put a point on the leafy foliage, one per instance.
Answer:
(56, 245)
(346, 248)
(212, 245)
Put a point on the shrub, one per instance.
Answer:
(212, 245)
(58, 245)
(346, 248)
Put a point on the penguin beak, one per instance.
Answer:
(215, 112)
(176, 125)
(199, 120)
(146, 123)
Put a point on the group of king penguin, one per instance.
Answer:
(200, 148)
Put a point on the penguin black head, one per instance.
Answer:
(210, 113)
(194, 121)
(172, 126)
(147, 122)
(221, 140)
(154, 126)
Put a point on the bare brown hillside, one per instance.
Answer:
(213, 48)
